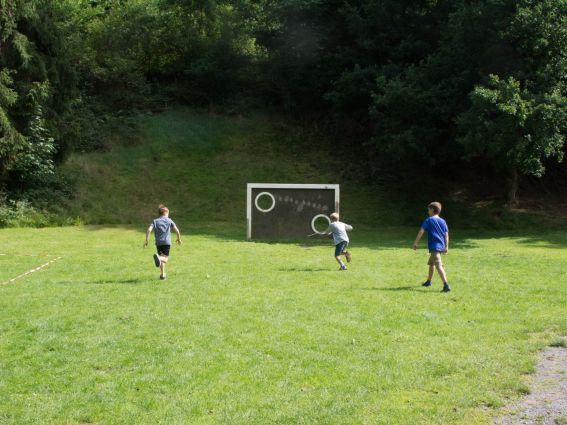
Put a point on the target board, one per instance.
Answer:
(289, 211)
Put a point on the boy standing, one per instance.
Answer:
(437, 242)
(162, 227)
(340, 238)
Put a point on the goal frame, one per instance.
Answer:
(251, 186)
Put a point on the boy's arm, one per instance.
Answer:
(348, 227)
(178, 233)
(446, 242)
(148, 231)
(417, 238)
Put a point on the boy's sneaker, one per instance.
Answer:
(348, 256)
(162, 277)
(445, 288)
(426, 283)
(157, 260)
(343, 267)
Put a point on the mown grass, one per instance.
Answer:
(258, 333)
(253, 332)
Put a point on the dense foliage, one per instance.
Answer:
(430, 82)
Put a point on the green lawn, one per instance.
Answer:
(258, 333)
(262, 333)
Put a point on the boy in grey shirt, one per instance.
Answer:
(162, 226)
(340, 238)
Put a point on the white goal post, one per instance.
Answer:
(288, 211)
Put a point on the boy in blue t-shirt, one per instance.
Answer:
(437, 242)
(162, 226)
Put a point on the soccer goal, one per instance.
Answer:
(289, 211)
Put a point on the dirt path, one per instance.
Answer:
(547, 402)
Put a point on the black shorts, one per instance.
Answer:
(340, 248)
(163, 250)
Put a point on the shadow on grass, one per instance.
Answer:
(397, 289)
(105, 282)
(303, 269)
(117, 281)
(364, 236)
(551, 240)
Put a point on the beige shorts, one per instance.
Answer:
(435, 259)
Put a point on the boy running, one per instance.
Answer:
(437, 242)
(162, 227)
(340, 238)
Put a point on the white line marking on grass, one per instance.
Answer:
(30, 271)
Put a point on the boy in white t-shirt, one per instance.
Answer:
(340, 238)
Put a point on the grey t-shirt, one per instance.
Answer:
(162, 229)
(339, 231)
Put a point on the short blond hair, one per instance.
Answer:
(162, 209)
(435, 206)
(334, 216)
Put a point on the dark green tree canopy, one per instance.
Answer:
(434, 82)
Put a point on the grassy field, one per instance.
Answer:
(260, 333)
(263, 333)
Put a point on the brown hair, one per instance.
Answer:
(162, 209)
(435, 206)
(334, 216)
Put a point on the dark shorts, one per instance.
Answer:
(340, 248)
(163, 250)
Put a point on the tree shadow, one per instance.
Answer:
(551, 240)
(374, 238)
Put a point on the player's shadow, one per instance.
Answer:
(134, 281)
(302, 269)
(397, 289)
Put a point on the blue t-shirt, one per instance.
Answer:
(436, 228)
(162, 229)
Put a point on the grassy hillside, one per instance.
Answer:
(199, 165)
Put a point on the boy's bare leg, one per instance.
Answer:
(163, 259)
(430, 274)
(441, 271)
(341, 264)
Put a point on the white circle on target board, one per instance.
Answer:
(266, 209)
(315, 219)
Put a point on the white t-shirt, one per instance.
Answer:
(339, 231)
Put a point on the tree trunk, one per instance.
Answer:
(513, 183)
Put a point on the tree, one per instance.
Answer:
(16, 54)
(36, 84)
(519, 119)
(515, 128)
